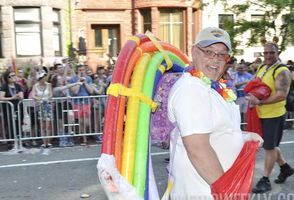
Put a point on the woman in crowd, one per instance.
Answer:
(42, 93)
(10, 91)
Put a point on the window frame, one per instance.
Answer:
(147, 19)
(171, 24)
(1, 42)
(100, 45)
(58, 24)
(290, 43)
(256, 18)
(227, 17)
(106, 44)
(1, 34)
(27, 22)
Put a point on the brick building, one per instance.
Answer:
(33, 31)
(104, 26)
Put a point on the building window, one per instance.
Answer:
(171, 27)
(225, 21)
(257, 18)
(27, 31)
(98, 37)
(146, 20)
(1, 35)
(1, 53)
(56, 32)
(106, 37)
(287, 22)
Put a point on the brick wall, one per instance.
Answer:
(161, 3)
(126, 14)
(103, 4)
(8, 32)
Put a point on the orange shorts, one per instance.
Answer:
(82, 111)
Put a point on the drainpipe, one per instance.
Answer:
(68, 22)
(133, 17)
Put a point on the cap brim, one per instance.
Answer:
(39, 77)
(206, 43)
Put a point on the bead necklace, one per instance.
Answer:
(221, 86)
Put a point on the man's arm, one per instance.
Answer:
(203, 157)
(88, 87)
(50, 91)
(75, 89)
(282, 83)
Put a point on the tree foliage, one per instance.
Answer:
(271, 10)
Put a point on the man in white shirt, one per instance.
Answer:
(207, 138)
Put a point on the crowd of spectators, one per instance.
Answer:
(60, 80)
(65, 80)
(240, 73)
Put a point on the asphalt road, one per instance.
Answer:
(70, 173)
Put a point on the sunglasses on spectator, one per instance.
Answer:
(11, 75)
(269, 53)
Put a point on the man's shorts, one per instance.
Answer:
(82, 110)
(272, 129)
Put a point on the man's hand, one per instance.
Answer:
(252, 100)
(253, 137)
(82, 79)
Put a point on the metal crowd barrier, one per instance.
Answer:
(64, 117)
(8, 128)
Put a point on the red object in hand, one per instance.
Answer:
(253, 121)
(236, 183)
(262, 91)
(258, 89)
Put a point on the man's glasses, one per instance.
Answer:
(211, 54)
(11, 75)
(269, 53)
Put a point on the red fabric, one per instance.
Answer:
(253, 121)
(236, 183)
(258, 89)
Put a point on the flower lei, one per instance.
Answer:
(221, 86)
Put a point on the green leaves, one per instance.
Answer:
(276, 18)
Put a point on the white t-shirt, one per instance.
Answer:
(198, 109)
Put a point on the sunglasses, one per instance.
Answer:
(12, 75)
(269, 53)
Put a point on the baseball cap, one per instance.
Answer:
(41, 73)
(212, 35)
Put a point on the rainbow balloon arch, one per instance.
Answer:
(125, 168)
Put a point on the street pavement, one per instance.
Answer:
(70, 173)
